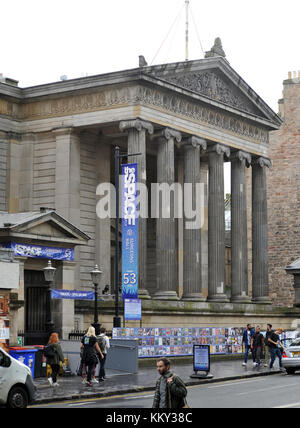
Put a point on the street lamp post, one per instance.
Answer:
(96, 275)
(117, 318)
(49, 273)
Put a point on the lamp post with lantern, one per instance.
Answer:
(96, 276)
(49, 273)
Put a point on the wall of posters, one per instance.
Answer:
(178, 341)
(4, 321)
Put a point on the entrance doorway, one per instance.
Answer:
(35, 307)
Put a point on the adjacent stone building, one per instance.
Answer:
(284, 194)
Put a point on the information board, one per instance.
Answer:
(201, 358)
(132, 309)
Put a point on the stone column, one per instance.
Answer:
(13, 172)
(260, 275)
(166, 257)
(239, 245)
(137, 131)
(26, 172)
(3, 170)
(192, 275)
(67, 181)
(63, 314)
(216, 224)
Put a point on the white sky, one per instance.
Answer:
(42, 40)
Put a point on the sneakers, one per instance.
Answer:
(244, 364)
(101, 379)
(254, 364)
(55, 384)
(50, 381)
(95, 380)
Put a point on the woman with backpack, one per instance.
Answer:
(90, 348)
(54, 356)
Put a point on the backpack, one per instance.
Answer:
(102, 343)
(49, 351)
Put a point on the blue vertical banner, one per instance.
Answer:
(130, 234)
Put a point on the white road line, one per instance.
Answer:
(82, 404)
(235, 383)
(140, 396)
(267, 389)
(287, 406)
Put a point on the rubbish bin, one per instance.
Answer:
(40, 366)
(25, 355)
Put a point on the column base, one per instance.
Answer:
(195, 297)
(165, 295)
(218, 298)
(264, 300)
(240, 299)
(143, 294)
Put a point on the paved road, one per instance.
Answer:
(265, 392)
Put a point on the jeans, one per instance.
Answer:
(275, 352)
(247, 348)
(257, 354)
(102, 365)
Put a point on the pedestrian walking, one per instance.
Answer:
(90, 348)
(247, 337)
(276, 348)
(54, 356)
(257, 346)
(104, 345)
(170, 392)
(267, 347)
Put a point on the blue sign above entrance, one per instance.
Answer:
(41, 252)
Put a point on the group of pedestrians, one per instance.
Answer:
(93, 350)
(268, 347)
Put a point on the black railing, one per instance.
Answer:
(76, 335)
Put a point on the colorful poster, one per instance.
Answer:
(129, 232)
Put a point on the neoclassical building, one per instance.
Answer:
(186, 119)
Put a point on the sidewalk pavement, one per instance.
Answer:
(117, 383)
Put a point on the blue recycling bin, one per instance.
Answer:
(25, 356)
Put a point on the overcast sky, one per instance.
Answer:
(42, 40)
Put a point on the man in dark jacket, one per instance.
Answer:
(247, 337)
(257, 345)
(170, 390)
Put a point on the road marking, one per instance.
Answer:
(140, 396)
(235, 383)
(267, 389)
(287, 406)
(82, 404)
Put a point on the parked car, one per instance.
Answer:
(16, 385)
(291, 357)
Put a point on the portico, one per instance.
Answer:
(186, 120)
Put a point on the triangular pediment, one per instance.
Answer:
(214, 79)
(42, 226)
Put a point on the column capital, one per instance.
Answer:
(219, 149)
(195, 142)
(63, 130)
(241, 156)
(262, 162)
(137, 124)
(169, 134)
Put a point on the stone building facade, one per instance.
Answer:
(186, 119)
(284, 194)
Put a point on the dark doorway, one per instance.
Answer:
(35, 307)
